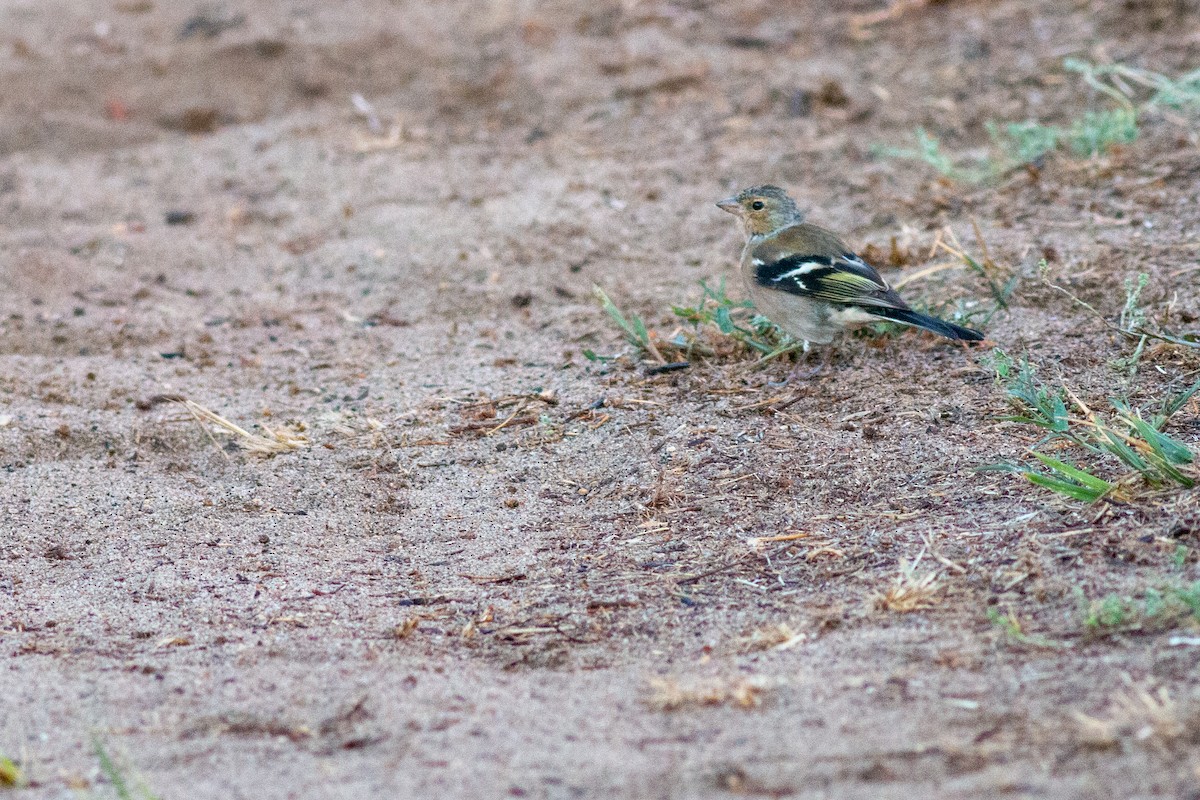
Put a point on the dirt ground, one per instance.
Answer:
(499, 568)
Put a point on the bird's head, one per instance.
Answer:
(762, 209)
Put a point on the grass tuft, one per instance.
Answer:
(276, 441)
(1126, 440)
(715, 314)
(632, 326)
(1137, 715)
(910, 591)
(669, 694)
(1156, 609)
(1096, 132)
(929, 150)
(1018, 144)
(1013, 631)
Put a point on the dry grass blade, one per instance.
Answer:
(1137, 714)
(516, 412)
(406, 628)
(771, 637)
(275, 442)
(932, 548)
(925, 272)
(668, 694)
(859, 23)
(909, 591)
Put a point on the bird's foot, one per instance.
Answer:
(808, 374)
(803, 372)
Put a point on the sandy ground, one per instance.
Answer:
(499, 566)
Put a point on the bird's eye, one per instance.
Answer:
(758, 205)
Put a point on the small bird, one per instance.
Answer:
(807, 281)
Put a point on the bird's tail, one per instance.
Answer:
(933, 324)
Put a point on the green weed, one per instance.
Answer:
(1155, 609)
(929, 150)
(1015, 144)
(1024, 142)
(1134, 323)
(1013, 631)
(716, 310)
(1126, 439)
(632, 326)
(1096, 132)
(1118, 81)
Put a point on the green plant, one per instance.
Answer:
(714, 311)
(1134, 322)
(1013, 631)
(115, 776)
(929, 150)
(1095, 132)
(1114, 80)
(632, 326)
(717, 310)
(1024, 142)
(1154, 609)
(1138, 445)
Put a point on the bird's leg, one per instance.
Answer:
(800, 374)
(801, 361)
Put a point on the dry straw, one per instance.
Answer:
(273, 443)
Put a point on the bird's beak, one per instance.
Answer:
(730, 204)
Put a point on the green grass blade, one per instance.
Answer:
(1169, 448)
(1173, 404)
(1072, 490)
(723, 320)
(1190, 597)
(1076, 483)
(635, 332)
(639, 329)
(110, 770)
(1058, 414)
(1115, 445)
(1074, 473)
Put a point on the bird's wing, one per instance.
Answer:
(812, 262)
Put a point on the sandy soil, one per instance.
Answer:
(498, 567)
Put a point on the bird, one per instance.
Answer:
(807, 281)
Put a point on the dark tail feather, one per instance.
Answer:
(938, 326)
